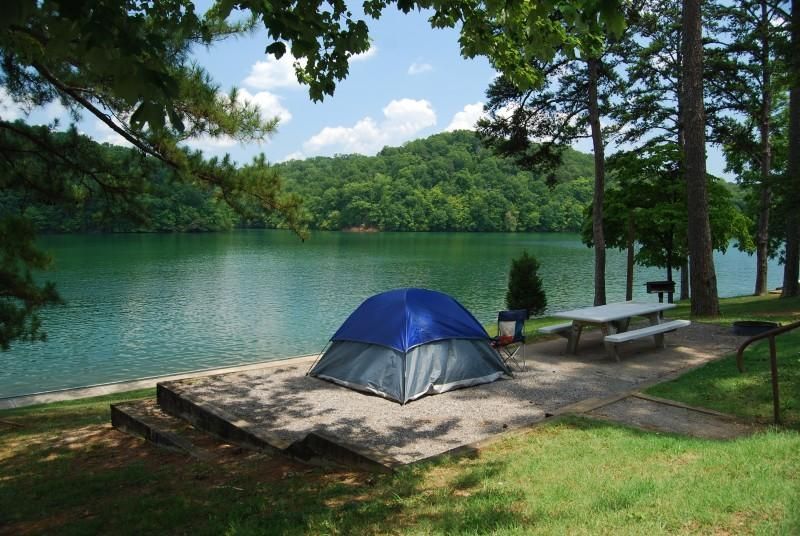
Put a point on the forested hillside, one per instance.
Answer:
(74, 202)
(447, 182)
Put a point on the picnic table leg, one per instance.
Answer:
(574, 337)
(658, 338)
(611, 348)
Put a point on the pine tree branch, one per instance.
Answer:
(83, 101)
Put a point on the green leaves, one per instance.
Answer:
(151, 113)
(648, 191)
(277, 48)
(525, 290)
(20, 295)
(15, 12)
(612, 16)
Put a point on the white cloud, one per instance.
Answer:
(466, 118)
(10, 110)
(507, 111)
(104, 134)
(369, 53)
(297, 155)
(269, 105)
(272, 74)
(405, 117)
(360, 138)
(419, 68)
(56, 110)
(402, 120)
(210, 144)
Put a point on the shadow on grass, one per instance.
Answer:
(469, 503)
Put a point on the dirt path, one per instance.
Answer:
(660, 415)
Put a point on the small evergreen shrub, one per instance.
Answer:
(525, 286)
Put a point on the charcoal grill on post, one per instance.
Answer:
(661, 287)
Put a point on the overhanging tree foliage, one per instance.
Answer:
(21, 297)
(127, 64)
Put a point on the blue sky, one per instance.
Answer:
(412, 83)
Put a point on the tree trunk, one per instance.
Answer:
(791, 271)
(792, 266)
(599, 185)
(685, 280)
(705, 301)
(684, 295)
(762, 240)
(629, 272)
(762, 235)
(670, 248)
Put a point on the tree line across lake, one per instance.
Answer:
(446, 182)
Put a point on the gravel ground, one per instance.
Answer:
(289, 404)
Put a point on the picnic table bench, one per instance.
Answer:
(656, 331)
(613, 320)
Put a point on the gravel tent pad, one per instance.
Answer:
(282, 400)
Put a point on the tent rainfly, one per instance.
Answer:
(407, 343)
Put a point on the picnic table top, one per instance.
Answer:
(613, 311)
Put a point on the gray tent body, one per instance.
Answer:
(430, 368)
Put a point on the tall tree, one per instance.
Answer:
(747, 35)
(651, 114)
(516, 36)
(705, 299)
(598, 145)
(535, 125)
(791, 186)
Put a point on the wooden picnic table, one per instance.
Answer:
(610, 318)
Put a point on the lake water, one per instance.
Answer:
(144, 305)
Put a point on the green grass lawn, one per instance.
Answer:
(770, 307)
(719, 385)
(64, 470)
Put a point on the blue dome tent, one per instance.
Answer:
(407, 343)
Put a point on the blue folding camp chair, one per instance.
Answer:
(510, 342)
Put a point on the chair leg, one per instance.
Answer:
(510, 356)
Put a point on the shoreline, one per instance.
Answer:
(100, 389)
